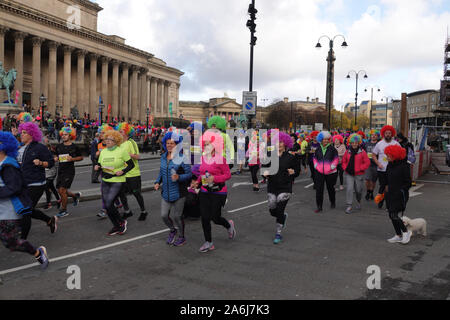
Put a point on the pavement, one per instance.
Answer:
(322, 256)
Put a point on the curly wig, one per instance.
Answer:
(215, 139)
(376, 132)
(115, 135)
(32, 129)
(338, 137)
(286, 139)
(314, 134)
(9, 144)
(362, 134)
(354, 137)
(104, 127)
(71, 131)
(388, 128)
(171, 136)
(396, 152)
(25, 117)
(219, 122)
(126, 128)
(323, 135)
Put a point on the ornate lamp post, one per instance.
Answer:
(356, 92)
(371, 99)
(42, 100)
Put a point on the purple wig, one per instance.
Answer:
(32, 129)
(286, 139)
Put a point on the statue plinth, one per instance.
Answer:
(10, 108)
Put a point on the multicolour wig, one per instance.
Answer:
(25, 117)
(9, 144)
(396, 152)
(71, 131)
(104, 127)
(374, 131)
(32, 129)
(388, 128)
(171, 136)
(354, 138)
(126, 128)
(115, 135)
(339, 138)
(219, 122)
(323, 135)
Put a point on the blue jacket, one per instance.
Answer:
(32, 173)
(13, 187)
(172, 191)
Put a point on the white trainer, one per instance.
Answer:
(406, 237)
(395, 239)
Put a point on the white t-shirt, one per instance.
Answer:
(379, 151)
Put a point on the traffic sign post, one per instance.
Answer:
(249, 102)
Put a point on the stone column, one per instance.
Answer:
(161, 109)
(19, 37)
(105, 65)
(148, 88)
(154, 96)
(125, 111)
(81, 100)
(93, 98)
(3, 31)
(134, 110)
(67, 91)
(115, 89)
(36, 69)
(166, 99)
(52, 74)
(177, 98)
(143, 103)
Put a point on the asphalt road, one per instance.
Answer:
(323, 256)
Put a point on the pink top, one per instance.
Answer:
(220, 172)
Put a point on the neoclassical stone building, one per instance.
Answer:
(75, 65)
(225, 107)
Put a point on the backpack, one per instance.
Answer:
(411, 155)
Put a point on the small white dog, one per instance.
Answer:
(415, 225)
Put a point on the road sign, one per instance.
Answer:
(319, 126)
(249, 102)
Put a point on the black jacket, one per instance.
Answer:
(399, 182)
(32, 173)
(281, 182)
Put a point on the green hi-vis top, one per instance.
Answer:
(112, 161)
(130, 146)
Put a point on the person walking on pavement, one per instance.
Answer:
(326, 160)
(397, 194)
(338, 141)
(371, 175)
(173, 179)
(67, 153)
(15, 202)
(34, 158)
(94, 158)
(279, 185)
(133, 177)
(380, 159)
(213, 174)
(115, 163)
(355, 162)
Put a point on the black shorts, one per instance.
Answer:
(132, 185)
(64, 180)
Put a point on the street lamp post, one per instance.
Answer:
(148, 115)
(387, 104)
(371, 99)
(100, 110)
(356, 92)
(42, 100)
(330, 73)
(252, 26)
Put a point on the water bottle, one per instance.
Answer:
(172, 172)
(207, 175)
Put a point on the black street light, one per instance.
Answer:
(387, 104)
(148, 115)
(42, 100)
(356, 92)
(330, 73)
(371, 99)
(252, 26)
(100, 110)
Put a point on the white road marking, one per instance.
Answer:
(243, 208)
(28, 266)
(309, 185)
(412, 191)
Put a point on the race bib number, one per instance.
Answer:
(63, 157)
(385, 159)
(271, 148)
(108, 169)
(369, 155)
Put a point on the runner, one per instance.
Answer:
(355, 162)
(326, 160)
(338, 141)
(303, 155)
(67, 153)
(133, 177)
(398, 182)
(33, 158)
(14, 201)
(253, 159)
(214, 172)
(100, 146)
(380, 159)
(115, 163)
(220, 124)
(50, 176)
(174, 176)
(371, 173)
(279, 187)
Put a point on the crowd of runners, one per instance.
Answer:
(195, 182)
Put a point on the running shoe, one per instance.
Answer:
(62, 214)
(232, 230)
(318, 210)
(358, 205)
(53, 224)
(406, 237)
(113, 231)
(348, 210)
(171, 238)
(207, 246)
(42, 258)
(255, 189)
(180, 241)
(76, 201)
(123, 228)
(395, 239)
(278, 238)
(48, 206)
(102, 214)
(143, 216)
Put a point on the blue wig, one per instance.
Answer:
(171, 136)
(9, 144)
(323, 135)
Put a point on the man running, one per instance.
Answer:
(67, 153)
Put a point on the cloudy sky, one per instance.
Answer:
(399, 43)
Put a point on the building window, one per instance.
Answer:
(425, 99)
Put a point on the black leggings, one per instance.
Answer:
(211, 210)
(35, 194)
(320, 181)
(341, 174)
(382, 180)
(133, 186)
(278, 212)
(110, 192)
(49, 189)
(254, 171)
(397, 223)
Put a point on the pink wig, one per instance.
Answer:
(215, 138)
(32, 129)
